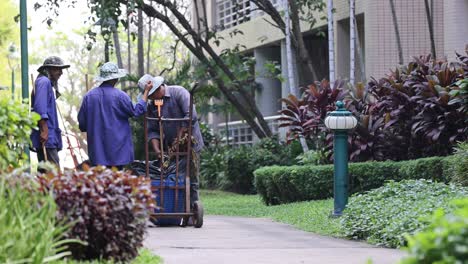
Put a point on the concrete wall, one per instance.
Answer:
(342, 44)
(381, 45)
(455, 27)
(258, 32)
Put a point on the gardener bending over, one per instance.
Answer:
(176, 104)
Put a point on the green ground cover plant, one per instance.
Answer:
(310, 216)
(445, 240)
(385, 215)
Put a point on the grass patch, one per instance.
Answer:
(145, 257)
(312, 216)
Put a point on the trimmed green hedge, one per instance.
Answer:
(280, 184)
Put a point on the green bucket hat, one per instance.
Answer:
(53, 61)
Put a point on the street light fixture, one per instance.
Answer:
(340, 121)
(13, 57)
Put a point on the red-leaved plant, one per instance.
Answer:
(108, 208)
(418, 110)
(414, 104)
(305, 116)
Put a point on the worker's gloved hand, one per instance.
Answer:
(158, 154)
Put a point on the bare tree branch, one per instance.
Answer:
(397, 32)
(205, 20)
(247, 97)
(273, 25)
(243, 111)
(174, 53)
(303, 52)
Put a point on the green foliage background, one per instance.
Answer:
(15, 127)
(9, 33)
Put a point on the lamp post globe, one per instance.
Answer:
(340, 121)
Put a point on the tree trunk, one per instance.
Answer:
(397, 32)
(359, 53)
(129, 42)
(299, 40)
(331, 44)
(352, 42)
(289, 59)
(141, 62)
(205, 20)
(106, 50)
(430, 23)
(118, 53)
(148, 51)
(248, 111)
(249, 102)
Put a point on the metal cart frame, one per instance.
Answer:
(195, 213)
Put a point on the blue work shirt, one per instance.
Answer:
(104, 116)
(176, 103)
(43, 103)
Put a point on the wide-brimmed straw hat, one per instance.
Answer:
(157, 82)
(110, 71)
(53, 61)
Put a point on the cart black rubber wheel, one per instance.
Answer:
(197, 214)
(184, 221)
(154, 221)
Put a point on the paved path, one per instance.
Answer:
(226, 240)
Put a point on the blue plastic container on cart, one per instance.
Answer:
(169, 199)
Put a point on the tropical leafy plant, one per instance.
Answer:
(313, 157)
(212, 166)
(108, 209)
(304, 117)
(366, 141)
(417, 110)
(16, 124)
(459, 95)
(414, 102)
(232, 168)
(458, 165)
(30, 232)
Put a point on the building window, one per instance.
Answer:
(232, 12)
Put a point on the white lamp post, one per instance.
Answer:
(340, 121)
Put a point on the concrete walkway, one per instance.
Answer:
(236, 240)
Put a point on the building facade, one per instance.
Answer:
(376, 39)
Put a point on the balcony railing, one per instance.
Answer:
(240, 133)
(230, 13)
